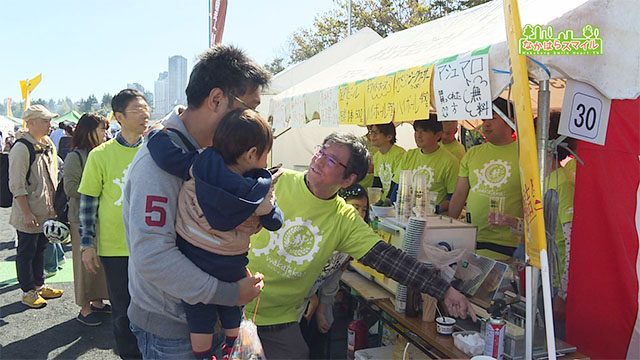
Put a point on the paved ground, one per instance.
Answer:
(51, 332)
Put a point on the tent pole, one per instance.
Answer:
(542, 133)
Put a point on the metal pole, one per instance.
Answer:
(542, 133)
(349, 21)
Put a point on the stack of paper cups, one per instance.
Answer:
(420, 194)
(403, 201)
(411, 245)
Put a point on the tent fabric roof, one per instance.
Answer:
(72, 116)
(615, 73)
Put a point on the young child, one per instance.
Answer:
(226, 184)
(318, 316)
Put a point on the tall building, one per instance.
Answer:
(177, 80)
(162, 104)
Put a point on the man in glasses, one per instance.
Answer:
(101, 203)
(160, 277)
(317, 223)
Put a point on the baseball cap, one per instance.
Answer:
(34, 112)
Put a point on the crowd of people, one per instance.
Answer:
(184, 225)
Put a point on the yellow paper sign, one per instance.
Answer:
(413, 93)
(351, 103)
(535, 240)
(379, 100)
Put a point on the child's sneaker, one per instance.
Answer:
(50, 293)
(226, 352)
(33, 299)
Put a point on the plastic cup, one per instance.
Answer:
(374, 194)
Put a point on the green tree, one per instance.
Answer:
(106, 101)
(383, 16)
(275, 66)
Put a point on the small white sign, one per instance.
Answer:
(462, 89)
(585, 113)
(297, 117)
(329, 112)
(279, 114)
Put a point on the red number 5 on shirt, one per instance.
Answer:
(154, 205)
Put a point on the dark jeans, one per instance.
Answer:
(283, 341)
(317, 342)
(30, 260)
(115, 269)
(53, 255)
(201, 318)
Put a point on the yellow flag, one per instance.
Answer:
(32, 83)
(529, 173)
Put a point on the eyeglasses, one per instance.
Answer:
(243, 103)
(331, 160)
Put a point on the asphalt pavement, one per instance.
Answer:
(51, 332)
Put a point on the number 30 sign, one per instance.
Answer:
(585, 113)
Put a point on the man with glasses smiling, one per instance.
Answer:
(317, 223)
(224, 79)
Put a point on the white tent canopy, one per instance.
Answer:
(303, 140)
(616, 73)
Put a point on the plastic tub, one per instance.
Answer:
(444, 325)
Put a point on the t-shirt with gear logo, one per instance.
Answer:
(493, 172)
(440, 169)
(385, 166)
(293, 257)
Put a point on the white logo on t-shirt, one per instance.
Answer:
(297, 241)
(120, 182)
(385, 173)
(493, 174)
(428, 173)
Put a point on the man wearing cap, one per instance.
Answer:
(489, 181)
(33, 185)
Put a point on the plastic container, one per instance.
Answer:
(469, 342)
(444, 325)
(383, 211)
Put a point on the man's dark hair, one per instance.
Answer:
(505, 106)
(61, 125)
(359, 160)
(227, 68)
(123, 98)
(387, 129)
(239, 131)
(432, 124)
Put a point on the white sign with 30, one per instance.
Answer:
(585, 113)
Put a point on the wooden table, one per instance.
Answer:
(420, 333)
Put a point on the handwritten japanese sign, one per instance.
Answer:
(278, 112)
(462, 89)
(328, 110)
(412, 95)
(379, 100)
(297, 117)
(351, 103)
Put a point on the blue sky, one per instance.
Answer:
(85, 47)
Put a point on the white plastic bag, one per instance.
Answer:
(247, 345)
(441, 259)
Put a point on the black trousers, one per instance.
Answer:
(117, 274)
(30, 260)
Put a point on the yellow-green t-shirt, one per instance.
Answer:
(455, 148)
(385, 166)
(493, 172)
(104, 177)
(293, 257)
(570, 166)
(440, 168)
(561, 180)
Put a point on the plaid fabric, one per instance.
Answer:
(124, 142)
(88, 217)
(406, 270)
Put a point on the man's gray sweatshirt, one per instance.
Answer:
(160, 276)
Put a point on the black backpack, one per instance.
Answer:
(61, 200)
(6, 197)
